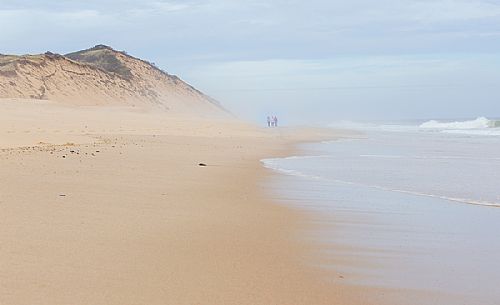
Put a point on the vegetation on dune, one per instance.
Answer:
(104, 58)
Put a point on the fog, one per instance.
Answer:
(314, 61)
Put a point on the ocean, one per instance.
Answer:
(415, 205)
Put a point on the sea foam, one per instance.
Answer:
(479, 123)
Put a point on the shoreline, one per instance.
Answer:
(344, 255)
(314, 257)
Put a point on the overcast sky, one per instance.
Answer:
(303, 60)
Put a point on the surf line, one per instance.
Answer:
(268, 163)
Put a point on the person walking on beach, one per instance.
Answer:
(268, 121)
(275, 119)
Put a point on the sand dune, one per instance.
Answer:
(101, 76)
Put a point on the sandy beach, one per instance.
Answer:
(166, 152)
(110, 206)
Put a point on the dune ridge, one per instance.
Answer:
(101, 76)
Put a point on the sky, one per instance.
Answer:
(305, 61)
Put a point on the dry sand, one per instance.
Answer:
(111, 207)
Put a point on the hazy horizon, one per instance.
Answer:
(318, 61)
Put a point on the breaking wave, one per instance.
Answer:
(479, 123)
